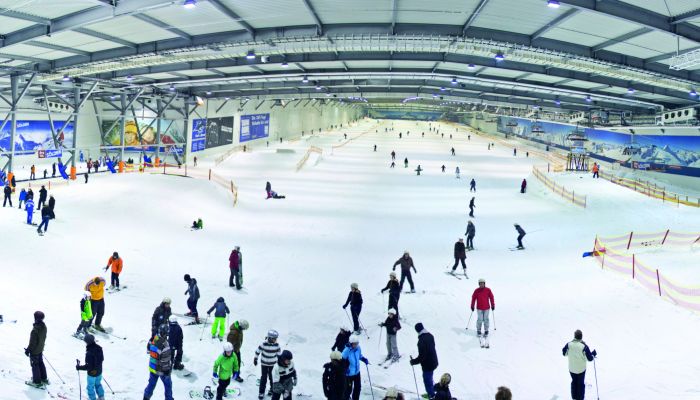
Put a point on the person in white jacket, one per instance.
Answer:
(577, 352)
(284, 377)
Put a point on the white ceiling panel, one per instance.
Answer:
(525, 16)
(456, 67)
(583, 38)
(368, 64)
(278, 67)
(49, 9)
(595, 25)
(198, 72)
(664, 6)
(543, 78)
(661, 42)
(132, 29)
(416, 64)
(505, 73)
(236, 70)
(322, 65)
(161, 75)
(632, 50)
(581, 84)
(25, 50)
(8, 24)
(200, 20)
(261, 14)
(449, 12)
(356, 11)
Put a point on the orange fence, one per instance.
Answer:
(617, 254)
(226, 184)
(578, 199)
(312, 149)
(652, 190)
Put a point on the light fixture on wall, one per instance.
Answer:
(250, 55)
(190, 4)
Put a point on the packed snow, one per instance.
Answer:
(347, 218)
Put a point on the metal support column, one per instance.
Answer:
(186, 123)
(159, 116)
(14, 80)
(122, 125)
(76, 108)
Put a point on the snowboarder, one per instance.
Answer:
(161, 315)
(284, 377)
(471, 207)
(443, 168)
(355, 301)
(460, 255)
(42, 196)
(268, 351)
(483, 299)
(235, 337)
(22, 198)
(197, 225)
(29, 208)
(596, 168)
(341, 339)
(93, 365)
(96, 287)
(45, 217)
(35, 351)
(160, 363)
(268, 189)
(226, 367)
(219, 318)
(235, 262)
(442, 388)
(394, 289)
(472, 185)
(405, 164)
(393, 155)
(427, 358)
(521, 235)
(85, 315)
(471, 231)
(116, 263)
(352, 355)
(192, 298)
(523, 186)
(453, 149)
(392, 325)
(418, 170)
(406, 264)
(334, 377)
(175, 336)
(577, 352)
(8, 192)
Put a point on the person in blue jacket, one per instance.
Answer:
(22, 198)
(353, 355)
(29, 207)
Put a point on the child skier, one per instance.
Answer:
(392, 326)
(341, 339)
(219, 318)
(235, 337)
(175, 338)
(85, 316)
(268, 351)
(394, 289)
(334, 377)
(29, 207)
(116, 263)
(284, 377)
(226, 367)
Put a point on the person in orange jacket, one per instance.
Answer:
(116, 263)
(596, 168)
(96, 287)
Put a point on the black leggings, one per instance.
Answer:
(221, 389)
(264, 377)
(457, 260)
(115, 279)
(353, 385)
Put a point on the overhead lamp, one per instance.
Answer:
(318, 87)
(630, 90)
(172, 88)
(442, 88)
(471, 66)
(693, 93)
(250, 55)
(227, 98)
(553, 3)
(588, 98)
(190, 4)
(129, 77)
(499, 56)
(557, 102)
(305, 79)
(208, 93)
(435, 96)
(285, 65)
(454, 81)
(65, 78)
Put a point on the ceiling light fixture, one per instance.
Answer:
(285, 65)
(442, 88)
(693, 93)
(208, 93)
(190, 4)
(305, 79)
(227, 98)
(172, 88)
(471, 66)
(250, 55)
(318, 87)
(588, 99)
(66, 78)
(499, 56)
(454, 81)
(630, 90)
(129, 77)
(553, 3)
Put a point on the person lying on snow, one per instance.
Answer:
(198, 224)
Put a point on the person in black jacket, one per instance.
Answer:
(193, 297)
(392, 325)
(93, 365)
(334, 377)
(521, 235)
(427, 358)
(160, 315)
(42, 196)
(342, 339)
(52, 204)
(442, 388)
(8, 193)
(470, 233)
(175, 337)
(460, 254)
(394, 289)
(35, 351)
(45, 217)
(355, 301)
(471, 207)
(406, 263)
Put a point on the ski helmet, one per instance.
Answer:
(228, 347)
(115, 255)
(243, 324)
(164, 330)
(482, 280)
(392, 275)
(187, 277)
(392, 311)
(272, 334)
(354, 285)
(220, 300)
(173, 318)
(89, 339)
(345, 328)
(336, 355)
(87, 295)
(166, 300)
(286, 355)
(354, 339)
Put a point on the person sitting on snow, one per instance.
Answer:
(198, 224)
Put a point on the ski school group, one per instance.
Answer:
(26, 196)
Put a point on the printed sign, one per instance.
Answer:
(254, 126)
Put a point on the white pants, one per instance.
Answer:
(482, 317)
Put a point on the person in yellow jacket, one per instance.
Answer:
(116, 263)
(96, 287)
(85, 316)
(225, 368)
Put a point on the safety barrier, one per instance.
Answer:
(579, 200)
(226, 184)
(652, 190)
(218, 160)
(614, 253)
(312, 149)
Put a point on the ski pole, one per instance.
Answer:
(379, 344)
(595, 371)
(363, 327)
(413, 367)
(80, 387)
(54, 369)
(470, 319)
(348, 315)
(494, 319)
(370, 382)
(108, 385)
(204, 325)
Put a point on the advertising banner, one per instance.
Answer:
(50, 153)
(171, 133)
(211, 132)
(254, 126)
(35, 135)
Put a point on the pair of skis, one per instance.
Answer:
(457, 276)
(387, 363)
(484, 341)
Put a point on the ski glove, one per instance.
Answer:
(215, 375)
(255, 362)
(344, 306)
(294, 381)
(472, 309)
(27, 352)
(235, 376)
(595, 353)
(364, 360)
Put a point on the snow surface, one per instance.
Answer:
(347, 218)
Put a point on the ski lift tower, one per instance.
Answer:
(577, 159)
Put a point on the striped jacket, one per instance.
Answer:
(160, 361)
(269, 351)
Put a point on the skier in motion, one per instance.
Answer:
(472, 185)
(460, 255)
(470, 233)
(483, 299)
(521, 235)
(355, 301)
(406, 263)
(472, 206)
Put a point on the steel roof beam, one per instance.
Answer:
(59, 48)
(685, 17)
(666, 56)
(6, 12)
(394, 12)
(106, 37)
(233, 15)
(314, 15)
(621, 38)
(552, 24)
(163, 25)
(474, 15)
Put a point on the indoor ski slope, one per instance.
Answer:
(347, 218)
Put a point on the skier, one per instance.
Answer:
(375, 147)
(515, 151)
(116, 263)
(45, 216)
(577, 352)
(521, 235)
(483, 298)
(175, 337)
(86, 177)
(400, 135)
(453, 149)
(219, 318)
(596, 168)
(442, 388)
(160, 315)
(159, 363)
(85, 316)
(504, 393)
(235, 262)
(427, 358)
(355, 301)
(418, 170)
(53, 170)
(42, 196)
(195, 159)
(406, 264)
(93, 365)
(393, 164)
(394, 288)
(392, 325)
(352, 355)
(471, 207)
(22, 197)
(197, 225)
(460, 255)
(29, 208)
(284, 377)
(341, 339)
(192, 298)
(96, 287)
(471, 231)
(443, 168)
(393, 155)
(457, 173)
(52, 205)
(226, 367)
(32, 172)
(35, 352)
(489, 146)
(268, 351)
(334, 377)
(8, 192)
(235, 337)
(472, 185)
(523, 186)
(405, 164)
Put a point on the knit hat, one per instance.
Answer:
(286, 355)
(243, 324)
(336, 355)
(354, 339)
(166, 300)
(354, 285)
(482, 280)
(419, 327)
(392, 311)
(89, 339)
(392, 274)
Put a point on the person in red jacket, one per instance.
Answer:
(483, 297)
(234, 264)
